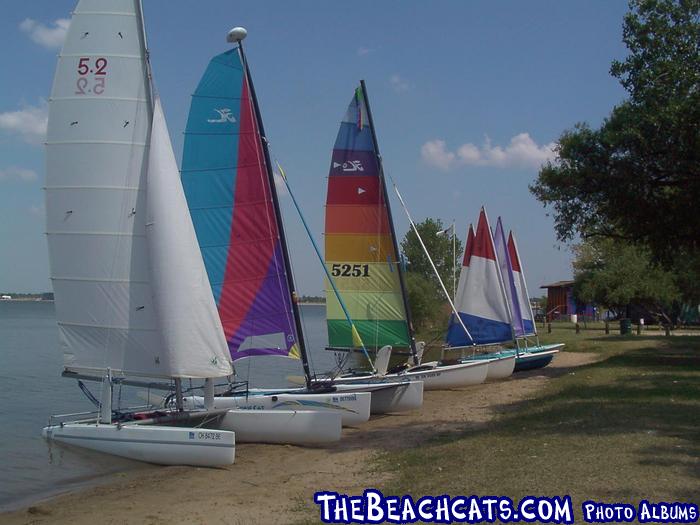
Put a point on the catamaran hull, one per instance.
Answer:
(354, 408)
(532, 360)
(438, 377)
(289, 427)
(500, 368)
(390, 397)
(156, 444)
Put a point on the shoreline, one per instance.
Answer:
(274, 483)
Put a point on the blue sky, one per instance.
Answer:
(467, 98)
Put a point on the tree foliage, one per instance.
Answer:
(615, 274)
(637, 177)
(426, 299)
(439, 247)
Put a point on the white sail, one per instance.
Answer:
(189, 322)
(97, 155)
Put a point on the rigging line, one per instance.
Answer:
(415, 229)
(355, 333)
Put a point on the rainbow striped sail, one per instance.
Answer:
(228, 192)
(361, 252)
(480, 301)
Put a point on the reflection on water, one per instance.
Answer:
(31, 389)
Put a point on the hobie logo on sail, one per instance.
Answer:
(224, 116)
(351, 165)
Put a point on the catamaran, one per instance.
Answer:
(529, 354)
(230, 189)
(483, 318)
(362, 256)
(127, 276)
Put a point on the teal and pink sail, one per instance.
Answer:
(480, 298)
(233, 208)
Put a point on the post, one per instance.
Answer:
(578, 328)
(549, 327)
(454, 261)
(106, 399)
(607, 327)
(179, 404)
(209, 393)
(639, 329)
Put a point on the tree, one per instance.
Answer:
(615, 274)
(439, 247)
(425, 300)
(637, 177)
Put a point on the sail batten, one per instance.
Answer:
(360, 252)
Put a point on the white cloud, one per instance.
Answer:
(434, 152)
(37, 211)
(362, 51)
(399, 84)
(15, 173)
(30, 122)
(49, 36)
(520, 152)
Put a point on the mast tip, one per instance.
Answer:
(236, 35)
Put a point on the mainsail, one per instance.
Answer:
(360, 245)
(510, 283)
(112, 302)
(229, 194)
(528, 319)
(480, 299)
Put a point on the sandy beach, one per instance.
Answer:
(268, 482)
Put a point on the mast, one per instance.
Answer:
(385, 194)
(280, 226)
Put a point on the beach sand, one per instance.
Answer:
(268, 482)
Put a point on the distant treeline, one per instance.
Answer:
(46, 296)
(312, 299)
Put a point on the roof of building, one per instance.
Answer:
(558, 284)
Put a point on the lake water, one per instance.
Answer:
(31, 389)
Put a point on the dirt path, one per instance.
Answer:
(268, 482)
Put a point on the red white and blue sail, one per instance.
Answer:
(528, 319)
(480, 300)
(510, 280)
(228, 192)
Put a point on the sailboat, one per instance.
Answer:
(528, 355)
(362, 257)
(232, 198)
(480, 301)
(129, 283)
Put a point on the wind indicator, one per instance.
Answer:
(236, 35)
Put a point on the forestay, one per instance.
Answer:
(480, 300)
(228, 192)
(97, 167)
(360, 251)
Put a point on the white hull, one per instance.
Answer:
(290, 427)
(433, 377)
(390, 397)
(354, 408)
(500, 368)
(157, 444)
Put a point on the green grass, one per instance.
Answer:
(622, 429)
